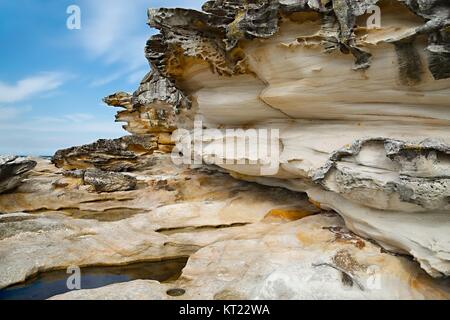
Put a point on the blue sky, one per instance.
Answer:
(52, 79)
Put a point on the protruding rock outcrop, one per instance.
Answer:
(141, 118)
(362, 111)
(12, 171)
(109, 181)
(104, 181)
(359, 118)
(124, 154)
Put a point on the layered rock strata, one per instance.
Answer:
(107, 181)
(363, 113)
(12, 171)
(124, 154)
(359, 120)
(305, 259)
(244, 241)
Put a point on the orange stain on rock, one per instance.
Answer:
(287, 214)
(315, 203)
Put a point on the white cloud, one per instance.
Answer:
(40, 140)
(45, 135)
(79, 117)
(12, 113)
(106, 79)
(132, 77)
(136, 77)
(64, 119)
(115, 31)
(30, 87)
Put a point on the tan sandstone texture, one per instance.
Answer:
(353, 202)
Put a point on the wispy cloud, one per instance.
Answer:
(115, 32)
(67, 118)
(136, 77)
(12, 113)
(105, 79)
(30, 86)
(44, 135)
(130, 76)
(113, 36)
(79, 117)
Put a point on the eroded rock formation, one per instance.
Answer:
(124, 154)
(362, 117)
(363, 113)
(12, 171)
(297, 260)
(108, 181)
(244, 241)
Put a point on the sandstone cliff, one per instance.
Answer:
(363, 113)
(351, 203)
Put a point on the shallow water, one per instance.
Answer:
(49, 284)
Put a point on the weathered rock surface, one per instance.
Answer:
(312, 258)
(173, 213)
(244, 240)
(141, 118)
(363, 113)
(124, 154)
(363, 120)
(12, 172)
(108, 181)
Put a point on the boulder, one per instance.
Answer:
(12, 171)
(103, 181)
